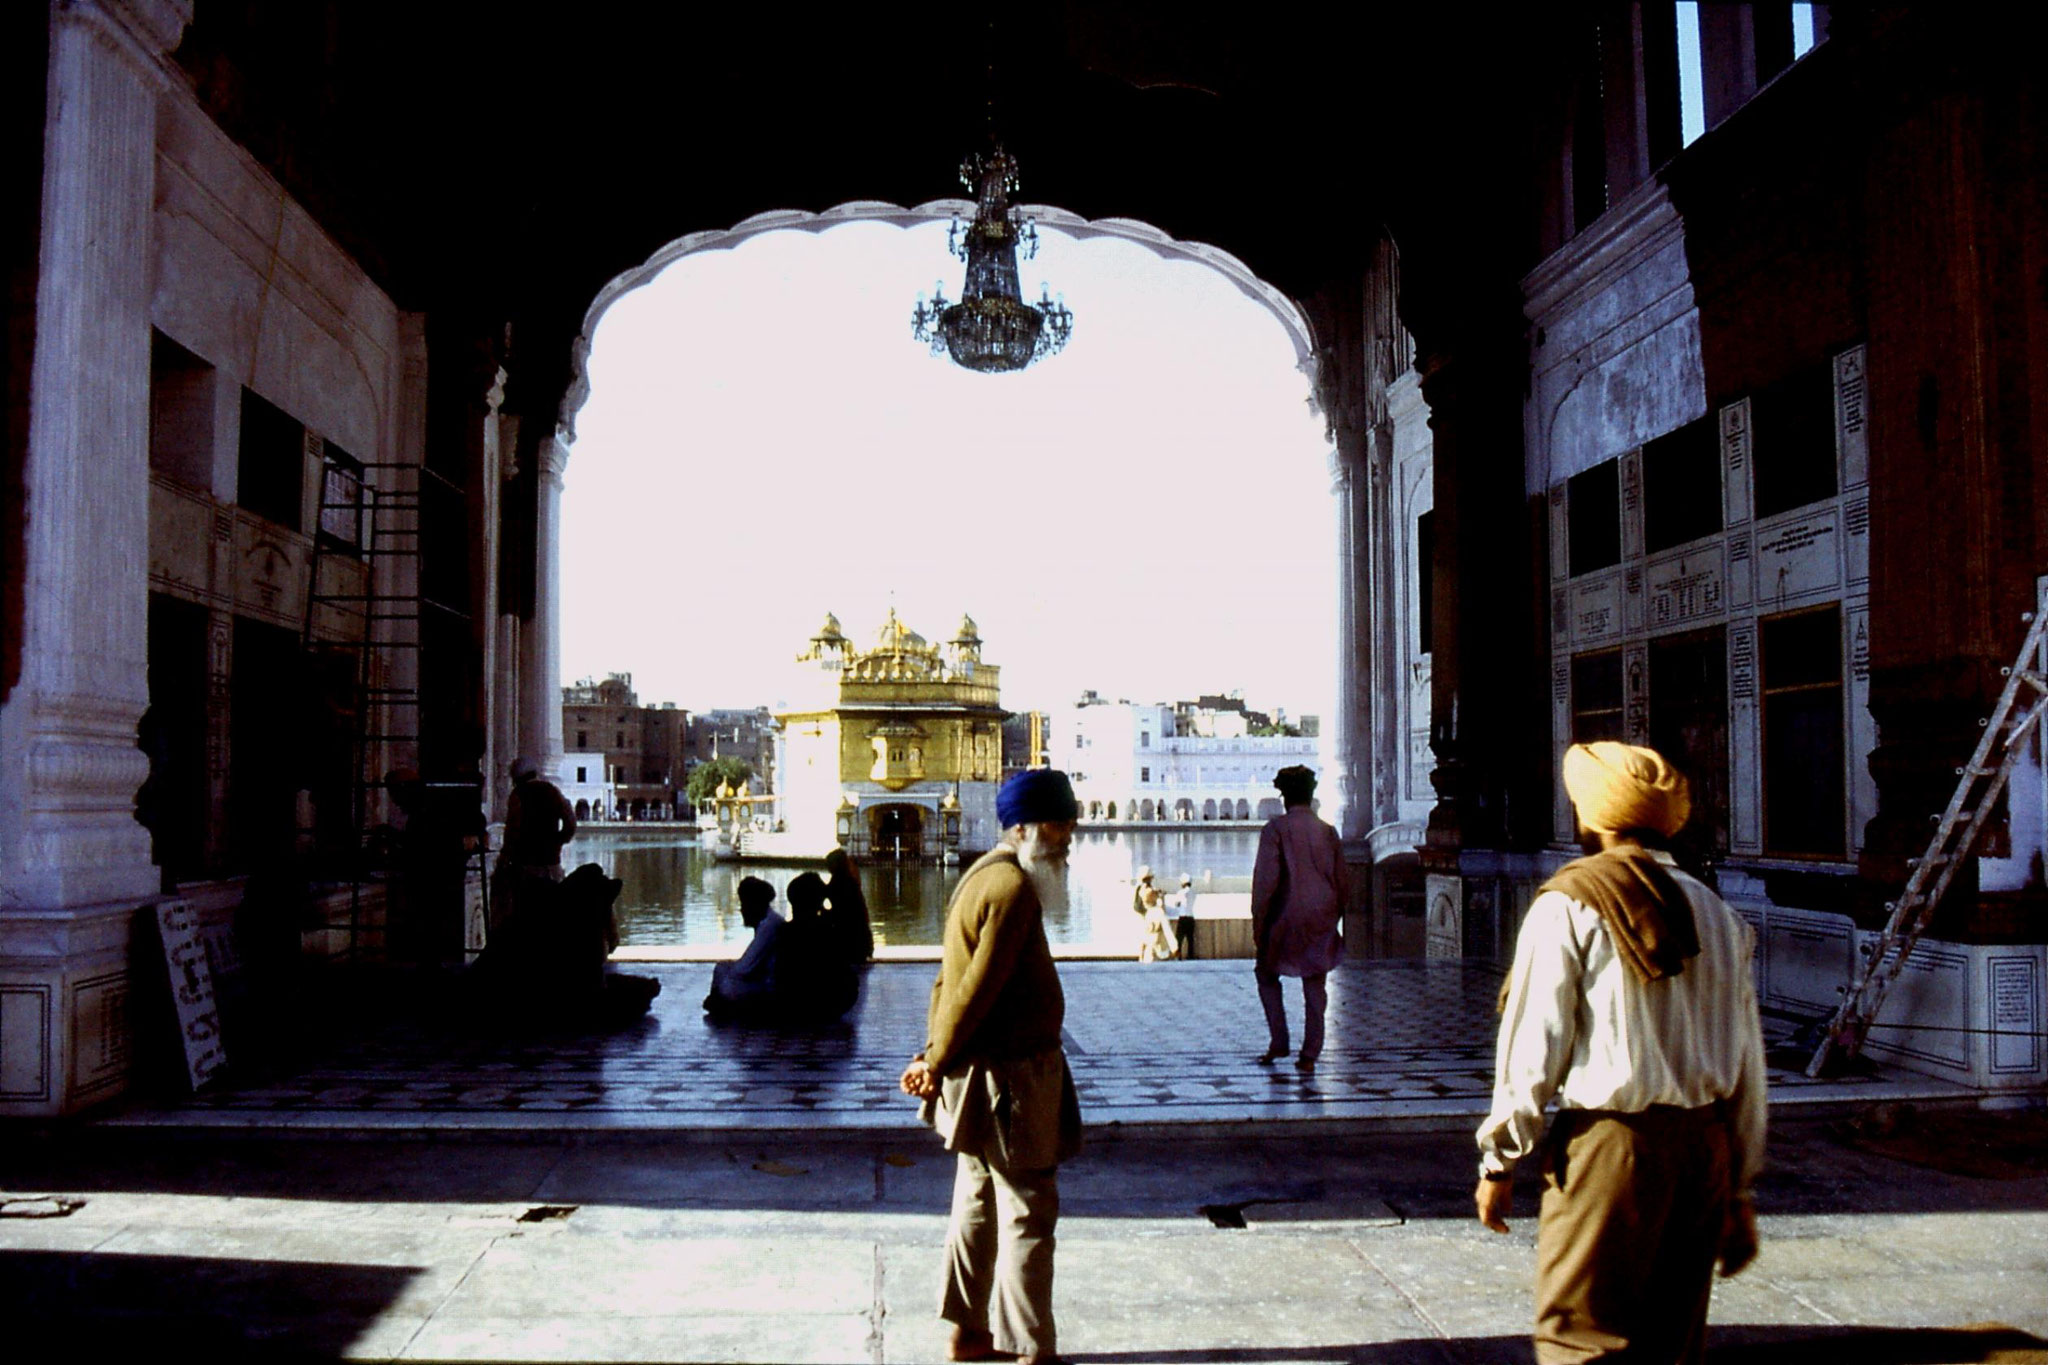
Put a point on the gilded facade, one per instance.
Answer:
(893, 751)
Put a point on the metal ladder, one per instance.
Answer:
(388, 523)
(2021, 704)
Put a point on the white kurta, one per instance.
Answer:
(1580, 1028)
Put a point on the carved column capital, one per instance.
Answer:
(144, 32)
(554, 458)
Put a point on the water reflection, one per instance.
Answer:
(676, 894)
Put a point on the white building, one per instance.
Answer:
(589, 786)
(1134, 761)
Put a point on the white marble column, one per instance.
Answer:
(74, 864)
(71, 836)
(500, 705)
(540, 708)
(1346, 794)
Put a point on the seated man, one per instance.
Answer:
(817, 978)
(745, 988)
(547, 962)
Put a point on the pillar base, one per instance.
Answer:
(65, 1038)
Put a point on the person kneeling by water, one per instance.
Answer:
(745, 989)
(547, 961)
(817, 979)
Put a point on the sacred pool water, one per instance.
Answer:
(677, 895)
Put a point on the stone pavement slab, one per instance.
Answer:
(1151, 1046)
(772, 1247)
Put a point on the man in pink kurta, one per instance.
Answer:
(1298, 894)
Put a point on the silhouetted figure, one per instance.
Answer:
(538, 821)
(744, 990)
(431, 854)
(1299, 887)
(547, 962)
(847, 906)
(816, 977)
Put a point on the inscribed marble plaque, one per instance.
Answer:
(1810, 958)
(1798, 555)
(1856, 532)
(1636, 680)
(1933, 987)
(270, 572)
(1560, 535)
(180, 541)
(1852, 435)
(1688, 588)
(1632, 504)
(1596, 608)
(1735, 447)
(2015, 1014)
(1862, 728)
(99, 1032)
(25, 1031)
(1744, 794)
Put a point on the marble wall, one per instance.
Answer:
(153, 219)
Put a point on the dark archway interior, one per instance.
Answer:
(507, 162)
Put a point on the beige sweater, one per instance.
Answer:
(1583, 1030)
(997, 996)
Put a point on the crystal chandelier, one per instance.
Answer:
(992, 329)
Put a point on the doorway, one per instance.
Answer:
(896, 832)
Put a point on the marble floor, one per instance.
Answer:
(1151, 1047)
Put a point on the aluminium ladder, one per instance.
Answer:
(2021, 704)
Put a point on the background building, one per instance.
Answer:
(893, 751)
(646, 750)
(1026, 742)
(1201, 760)
(748, 735)
(585, 779)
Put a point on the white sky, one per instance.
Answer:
(1147, 513)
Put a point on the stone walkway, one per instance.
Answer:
(758, 1246)
(1152, 1048)
(679, 1192)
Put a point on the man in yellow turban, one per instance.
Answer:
(1631, 1003)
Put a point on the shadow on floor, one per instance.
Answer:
(1978, 1344)
(90, 1304)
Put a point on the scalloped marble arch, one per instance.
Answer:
(1283, 309)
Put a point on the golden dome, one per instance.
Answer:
(830, 631)
(970, 634)
(897, 638)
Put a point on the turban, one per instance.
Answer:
(1620, 787)
(1035, 795)
(1297, 783)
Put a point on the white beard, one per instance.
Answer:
(1048, 876)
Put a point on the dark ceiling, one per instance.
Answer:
(509, 160)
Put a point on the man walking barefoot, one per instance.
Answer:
(1632, 1003)
(995, 1081)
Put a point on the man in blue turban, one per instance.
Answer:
(995, 1081)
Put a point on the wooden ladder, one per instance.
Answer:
(2021, 704)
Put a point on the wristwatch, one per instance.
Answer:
(1497, 1177)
